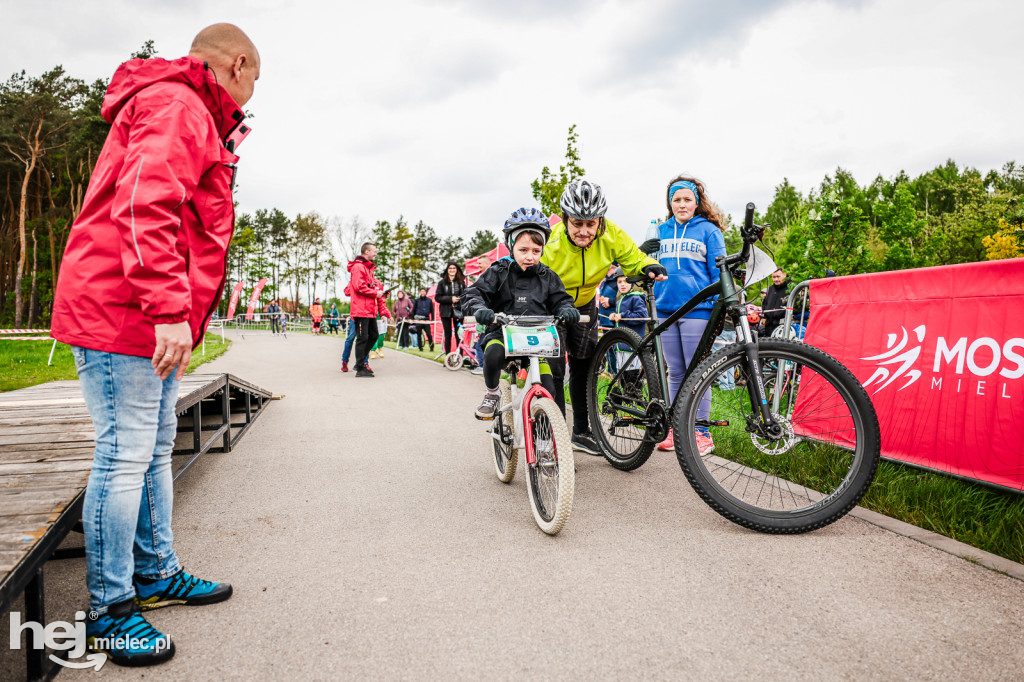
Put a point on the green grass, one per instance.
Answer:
(23, 363)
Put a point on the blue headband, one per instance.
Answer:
(684, 184)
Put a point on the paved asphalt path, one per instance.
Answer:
(367, 537)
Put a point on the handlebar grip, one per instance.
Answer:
(748, 219)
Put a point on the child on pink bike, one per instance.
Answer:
(521, 286)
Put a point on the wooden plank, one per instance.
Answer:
(7, 458)
(45, 447)
(52, 466)
(58, 437)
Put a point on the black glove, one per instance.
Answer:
(655, 270)
(484, 316)
(569, 315)
(651, 246)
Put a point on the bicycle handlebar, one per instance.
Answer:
(502, 317)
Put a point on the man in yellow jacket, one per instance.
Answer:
(580, 250)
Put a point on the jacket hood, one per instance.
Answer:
(359, 260)
(137, 74)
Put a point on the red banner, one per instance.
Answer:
(941, 353)
(234, 300)
(255, 298)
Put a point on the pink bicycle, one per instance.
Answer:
(464, 352)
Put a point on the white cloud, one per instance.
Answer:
(445, 111)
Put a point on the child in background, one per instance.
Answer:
(630, 304)
(522, 286)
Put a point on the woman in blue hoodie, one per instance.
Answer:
(689, 242)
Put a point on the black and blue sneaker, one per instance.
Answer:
(180, 588)
(126, 637)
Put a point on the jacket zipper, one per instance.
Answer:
(583, 256)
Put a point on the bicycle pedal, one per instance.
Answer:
(718, 422)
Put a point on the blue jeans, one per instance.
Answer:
(127, 510)
(350, 338)
(726, 380)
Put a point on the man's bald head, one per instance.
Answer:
(232, 56)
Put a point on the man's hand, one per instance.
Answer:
(656, 272)
(380, 294)
(173, 349)
(603, 300)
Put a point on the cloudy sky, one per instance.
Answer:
(445, 110)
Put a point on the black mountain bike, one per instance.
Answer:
(795, 438)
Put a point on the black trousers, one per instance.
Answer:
(449, 325)
(366, 336)
(403, 335)
(581, 341)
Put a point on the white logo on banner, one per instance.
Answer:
(978, 361)
(897, 356)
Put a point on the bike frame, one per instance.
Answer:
(522, 399)
(731, 301)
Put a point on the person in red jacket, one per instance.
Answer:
(141, 276)
(368, 296)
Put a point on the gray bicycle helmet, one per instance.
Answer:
(583, 200)
(525, 220)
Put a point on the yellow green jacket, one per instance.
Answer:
(582, 270)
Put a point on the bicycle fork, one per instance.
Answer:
(755, 388)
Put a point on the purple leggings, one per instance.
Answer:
(679, 342)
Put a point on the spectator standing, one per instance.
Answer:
(403, 312)
(423, 309)
(367, 294)
(606, 295)
(448, 294)
(483, 262)
(274, 312)
(141, 275)
(688, 243)
(332, 319)
(774, 306)
(316, 311)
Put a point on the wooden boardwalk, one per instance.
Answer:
(46, 448)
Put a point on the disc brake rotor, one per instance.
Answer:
(779, 446)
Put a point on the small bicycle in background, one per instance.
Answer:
(796, 440)
(527, 420)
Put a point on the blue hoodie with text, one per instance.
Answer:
(688, 253)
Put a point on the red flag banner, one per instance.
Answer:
(234, 300)
(255, 298)
(940, 352)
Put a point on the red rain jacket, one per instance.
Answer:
(150, 244)
(362, 289)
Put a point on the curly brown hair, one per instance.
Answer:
(705, 207)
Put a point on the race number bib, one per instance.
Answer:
(539, 341)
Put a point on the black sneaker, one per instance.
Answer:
(488, 406)
(585, 442)
(362, 372)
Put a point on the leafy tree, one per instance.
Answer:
(902, 231)
(36, 115)
(147, 51)
(549, 187)
(1008, 242)
(481, 242)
